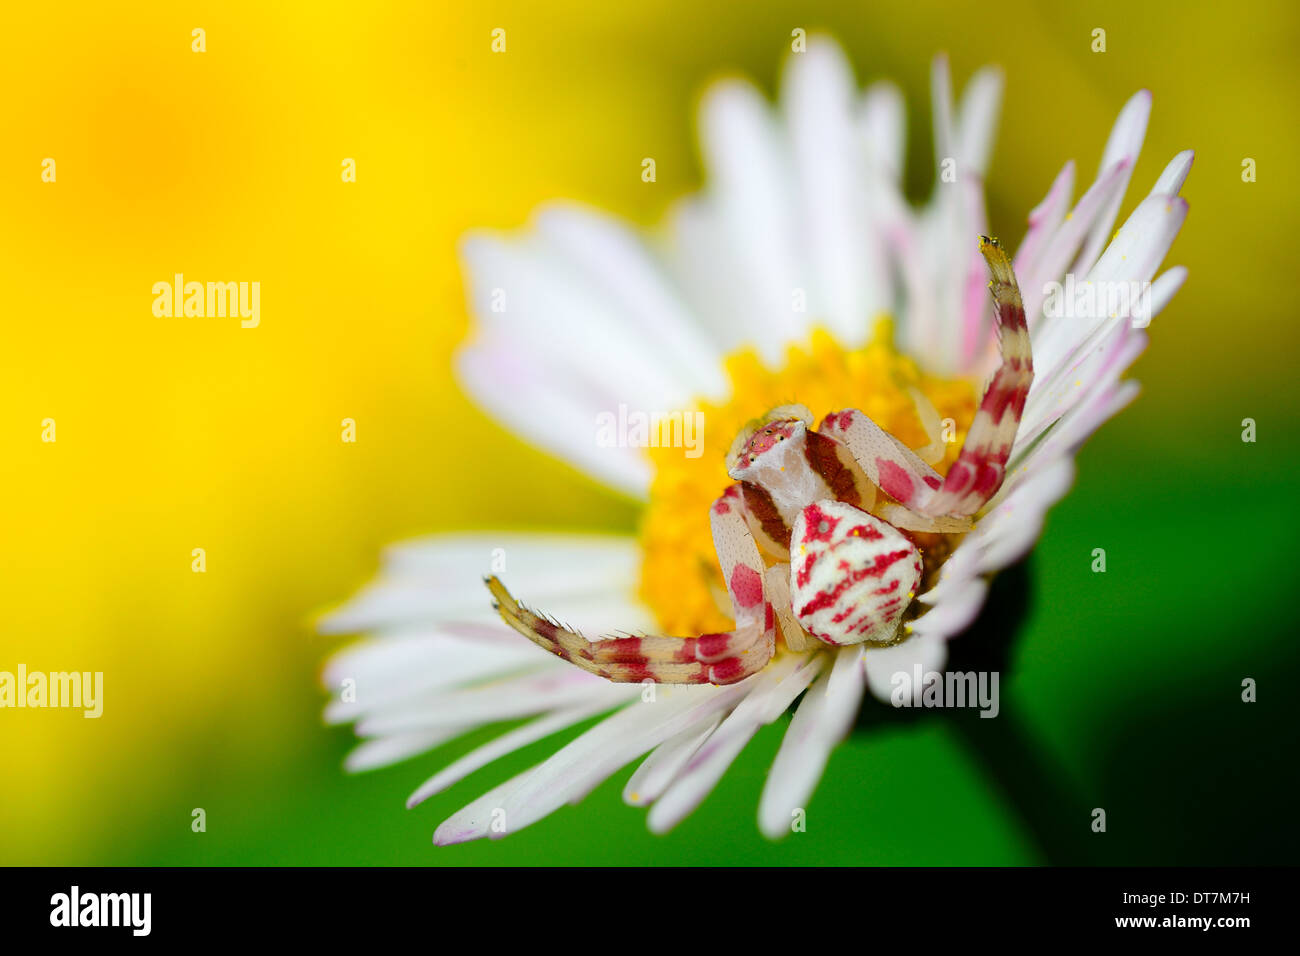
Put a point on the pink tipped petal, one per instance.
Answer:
(1143, 241)
(1060, 249)
(1122, 148)
(1014, 526)
(1175, 174)
(1044, 220)
(1079, 423)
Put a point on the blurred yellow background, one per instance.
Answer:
(175, 434)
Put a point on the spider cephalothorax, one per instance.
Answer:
(821, 538)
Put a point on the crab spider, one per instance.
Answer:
(818, 537)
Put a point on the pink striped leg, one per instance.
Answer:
(723, 658)
(977, 474)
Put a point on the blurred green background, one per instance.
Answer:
(1121, 690)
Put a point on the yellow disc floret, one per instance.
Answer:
(680, 578)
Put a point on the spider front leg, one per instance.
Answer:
(723, 658)
(977, 474)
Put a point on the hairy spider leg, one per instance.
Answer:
(723, 658)
(977, 474)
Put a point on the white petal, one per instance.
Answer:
(389, 750)
(825, 715)
(1064, 243)
(845, 263)
(954, 219)
(978, 119)
(955, 612)
(663, 764)
(773, 690)
(1009, 531)
(508, 699)
(520, 392)
(507, 743)
(882, 127)
(391, 674)
(569, 555)
(1089, 369)
(582, 764)
(1081, 422)
(440, 577)
(1142, 242)
(533, 296)
(1044, 220)
(1175, 174)
(1077, 425)
(749, 180)
(619, 265)
(882, 663)
(1123, 146)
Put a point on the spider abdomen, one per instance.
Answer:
(852, 575)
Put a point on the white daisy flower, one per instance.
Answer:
(783, 281)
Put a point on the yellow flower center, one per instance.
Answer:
(680, 577)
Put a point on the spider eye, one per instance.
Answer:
(752, 457)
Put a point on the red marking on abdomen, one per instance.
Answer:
(804, 574)
(825, 599)
(813, 519)
(865, 531)
(844, 614)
